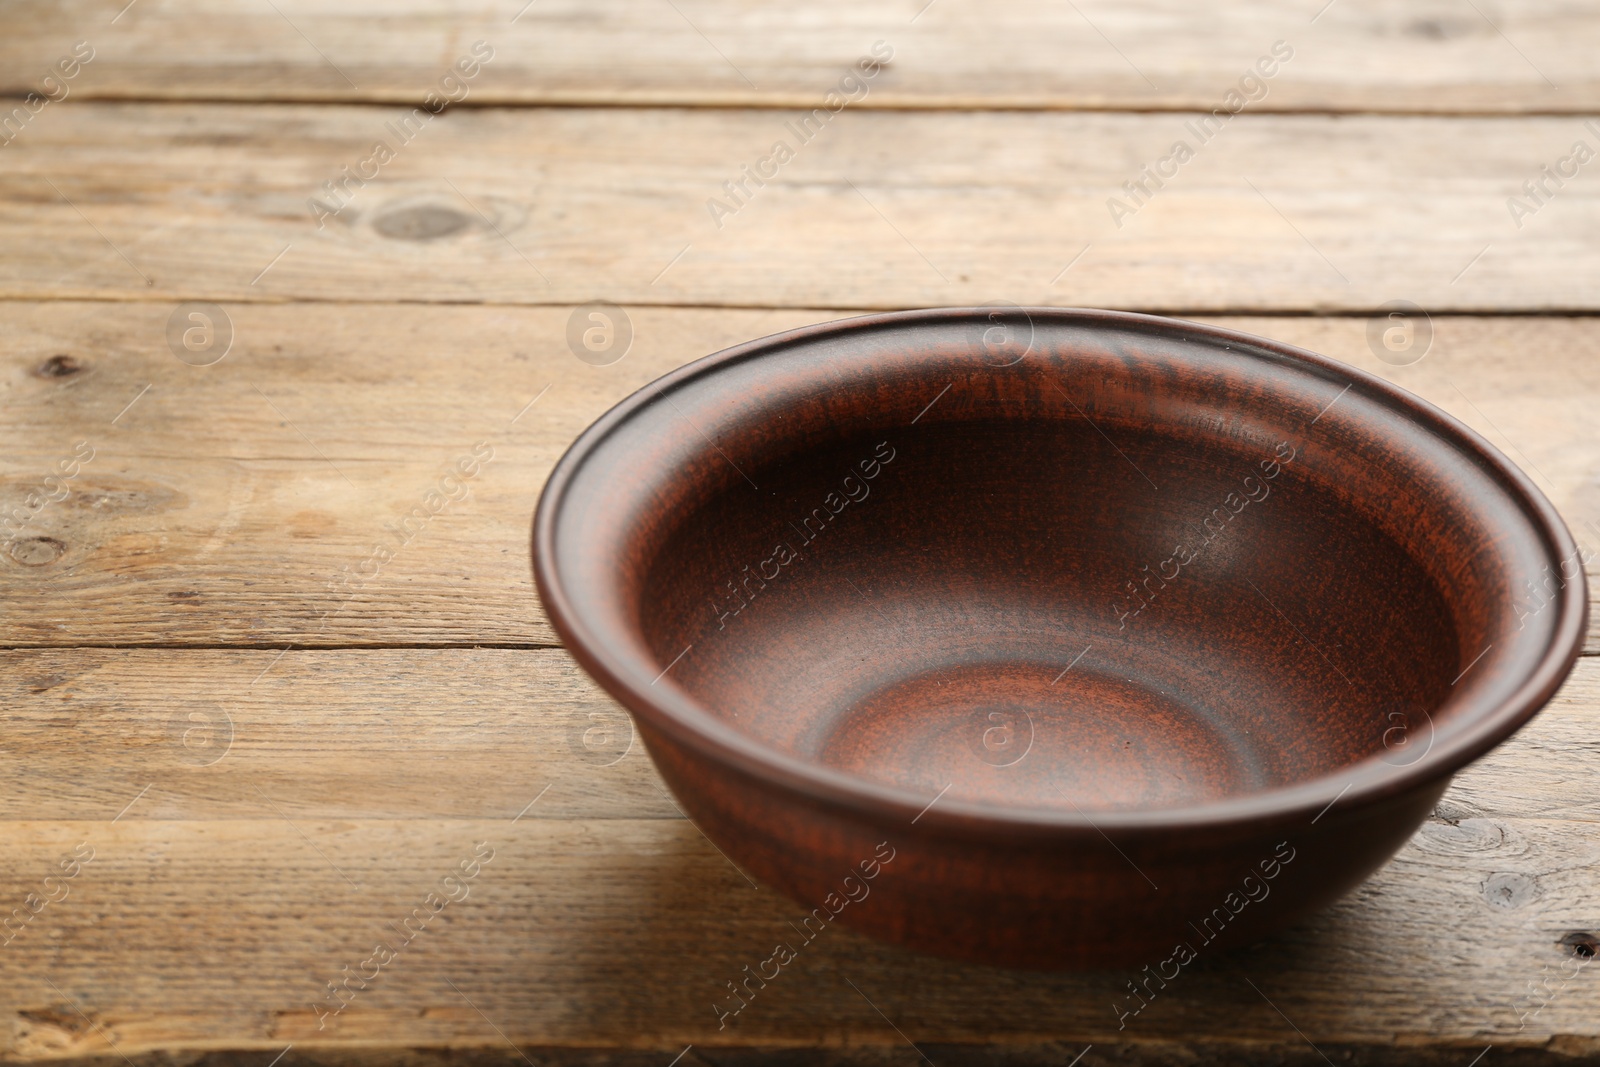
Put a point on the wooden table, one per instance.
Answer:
(240, 745)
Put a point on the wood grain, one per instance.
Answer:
(1355, 55)
(618, 929)
(332, 734)
(222, 505)
(878, 210)
(225, 505)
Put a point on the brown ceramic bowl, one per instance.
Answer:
(1053, 638)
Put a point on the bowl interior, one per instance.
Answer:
(1096, 566)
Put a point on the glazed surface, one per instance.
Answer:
(1003, 608)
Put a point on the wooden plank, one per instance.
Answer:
(202, 924)
(226, 504)
(1274, 212)
(1355, 55)
(333, 734)
(401, 734)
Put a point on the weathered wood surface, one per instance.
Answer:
(1350, 55)
(219, 902)
(880, 209)
(226, 504)
(260, 817)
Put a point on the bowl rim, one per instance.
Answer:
(674, 712)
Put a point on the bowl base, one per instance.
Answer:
(1032, 734)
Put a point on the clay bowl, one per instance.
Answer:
(1053, 638)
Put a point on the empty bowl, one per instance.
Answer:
(1053, 638)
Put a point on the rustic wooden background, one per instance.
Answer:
(271, 766)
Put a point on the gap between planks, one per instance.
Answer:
(797, 102)
(1198, 314)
